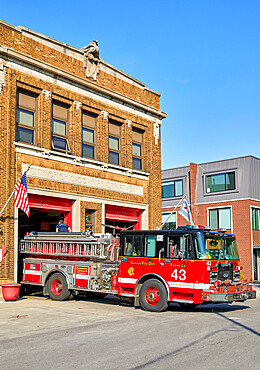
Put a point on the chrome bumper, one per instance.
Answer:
(209, 296)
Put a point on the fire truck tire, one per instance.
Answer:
(58, 287)
(153, 296)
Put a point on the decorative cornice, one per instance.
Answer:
(78, 105)
(46, 67)
(104, 114)
(47, 94)
(128, 122)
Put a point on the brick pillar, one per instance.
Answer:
(104, 136)
(45, 125)
(154, 168)
(75, 125)
(128, 143)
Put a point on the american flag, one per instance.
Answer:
(21, 197)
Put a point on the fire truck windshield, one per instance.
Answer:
(216, 247)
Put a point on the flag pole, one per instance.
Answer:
(182, 199)
(8, 200)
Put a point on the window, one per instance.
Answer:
(171, 222)
(89, 216)
(220, 182)
(114, 142)
(150, 246)
(137, 150)
(26, 111)
(255, 218)
(60, 127)
(172, 189)
(89, 135)
(220, 218)
(133, 245)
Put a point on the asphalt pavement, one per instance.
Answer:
(37, 333)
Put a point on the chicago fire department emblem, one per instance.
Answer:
(131, 271)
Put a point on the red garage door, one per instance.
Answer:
(52, 204)
(116, 213)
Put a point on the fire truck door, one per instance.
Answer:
(179, 270)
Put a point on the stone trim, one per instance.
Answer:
(46, 67)
(79, 161)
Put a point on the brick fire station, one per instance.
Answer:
(90, 132)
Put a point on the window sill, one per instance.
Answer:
(223, 192)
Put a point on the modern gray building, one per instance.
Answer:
(221, 194)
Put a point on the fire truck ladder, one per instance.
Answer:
(64, 245)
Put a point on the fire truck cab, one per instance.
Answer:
(189, 266)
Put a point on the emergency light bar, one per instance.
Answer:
(222, 229)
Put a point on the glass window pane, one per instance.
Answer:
(113, 143)
(168, 190)
(230, 181)
(59, 143)
(170, 219)
(88, 135)
(25, 117)
(213, 219)
(150, 246)
(225, 218)
(87, 151)
(133, 245)
(256, 215)
(178, 188)
(136, 149)
(113, 158)
(253, 218)
(171, 222)
(59, 127)
(25, 135)
(137, 164)
(215, 183)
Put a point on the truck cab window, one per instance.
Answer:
(180, 247)
(133, 245)
(150, 246)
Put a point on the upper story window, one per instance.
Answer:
(172, 189)
(220, 182)
(26, 117)
(114, 144)
(137, 149)
(170, 223)
(60, 120)
(89, 122)
(255, 218)
(220, 218)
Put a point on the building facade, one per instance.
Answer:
(90, 133)
(221, 194)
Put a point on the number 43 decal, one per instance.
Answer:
(181, 274)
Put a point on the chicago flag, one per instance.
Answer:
(185, 212)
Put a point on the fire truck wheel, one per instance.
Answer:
(58, 287)
(153, 296)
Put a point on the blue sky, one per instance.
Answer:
(203, 56)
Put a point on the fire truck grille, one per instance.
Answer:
(225, 271)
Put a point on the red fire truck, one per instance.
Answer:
(190, 266)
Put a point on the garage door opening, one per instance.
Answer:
(122, 217)
(38, 221)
